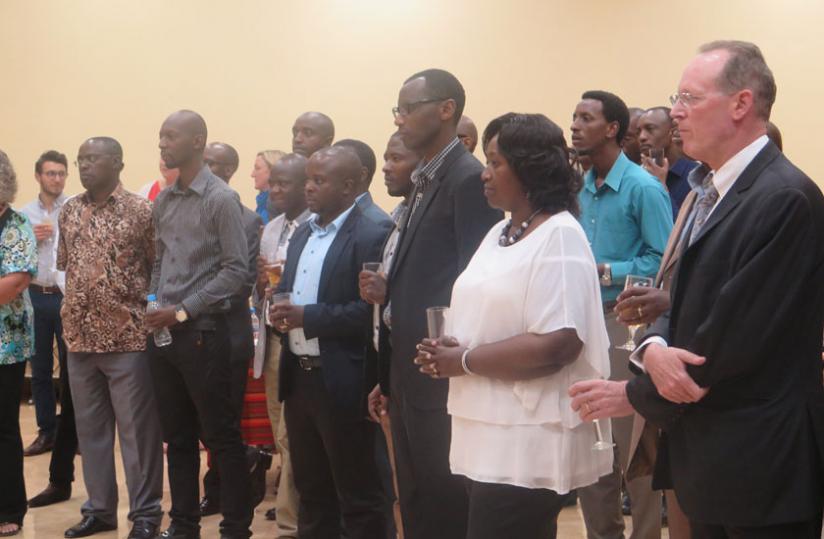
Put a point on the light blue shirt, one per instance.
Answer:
(627, 222)
(307, 277)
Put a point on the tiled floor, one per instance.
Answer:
(50, 522)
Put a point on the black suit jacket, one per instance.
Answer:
(434, 248)
(339, 319)
(747, 295)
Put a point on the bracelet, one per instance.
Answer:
(465, 362)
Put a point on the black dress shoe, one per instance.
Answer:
(172, 532)
(143, 530)
(90, 525)
(51, 494)
(42, 444)
(209, 506)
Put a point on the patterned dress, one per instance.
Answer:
(18, 253)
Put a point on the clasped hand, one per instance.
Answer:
(440, 358)
(667, 366)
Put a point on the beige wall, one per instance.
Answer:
(74, 69)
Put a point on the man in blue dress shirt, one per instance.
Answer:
(627, 216)
(325, 330)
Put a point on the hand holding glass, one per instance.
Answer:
(634, 280)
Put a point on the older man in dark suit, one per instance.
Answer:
(325, 327)
(447, 218)
(732, 370)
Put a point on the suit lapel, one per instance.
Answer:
(671, 253)
(735, 194)
(413, 221)
(335, 250)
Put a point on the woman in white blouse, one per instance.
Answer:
(525, 323)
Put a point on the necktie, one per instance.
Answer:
(703, 206)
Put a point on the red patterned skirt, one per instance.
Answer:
(255, 427)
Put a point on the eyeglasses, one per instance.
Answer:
(55, 174)
(409, 108)
(686, 99)
(89, 158)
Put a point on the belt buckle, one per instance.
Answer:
(304, 363)
(46, 290)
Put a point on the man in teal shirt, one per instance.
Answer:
(627, 216)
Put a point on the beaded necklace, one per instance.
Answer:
(505, 240)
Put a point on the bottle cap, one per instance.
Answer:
(151, 297)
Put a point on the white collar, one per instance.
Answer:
(725, 176)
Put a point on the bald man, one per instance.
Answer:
(368, 165)
(311, 132)
(323, 347)
(468, 133)
(222, 160)
(202, 262)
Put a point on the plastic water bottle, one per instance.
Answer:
(162, 337)
(255, 325)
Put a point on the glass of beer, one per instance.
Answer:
(274, 271)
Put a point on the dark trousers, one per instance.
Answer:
(810, 529)
(333, 460)
(497, 510)
(433, 502)
(190, 378)
(12, 486)
(61, 468)
(47, 327)
(240, 374)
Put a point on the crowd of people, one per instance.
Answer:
(385, 426)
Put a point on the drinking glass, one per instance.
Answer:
(280, 297)
(436, 321)
(600, 444)
(633, 280)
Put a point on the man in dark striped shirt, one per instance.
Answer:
(201, 263)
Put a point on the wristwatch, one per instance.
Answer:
(606, 278)
(181, 315)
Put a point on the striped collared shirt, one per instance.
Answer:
(425, 173)
(202, 251)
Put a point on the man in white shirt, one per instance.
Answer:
(50, 171)
(286, 182)
(732, 372)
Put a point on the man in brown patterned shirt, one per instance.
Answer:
(106, 246)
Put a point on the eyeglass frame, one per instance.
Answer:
(399, 110)
(90, 158)
(685, 98)
(55, 173)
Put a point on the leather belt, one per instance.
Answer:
(45, 289)
(308, 363)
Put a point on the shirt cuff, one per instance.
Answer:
(636, 357)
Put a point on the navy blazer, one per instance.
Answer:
(748, 295)
(340, 318)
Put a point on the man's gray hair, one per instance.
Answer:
(8, 180)
(746, 69)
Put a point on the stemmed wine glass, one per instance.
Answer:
(633, 280)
